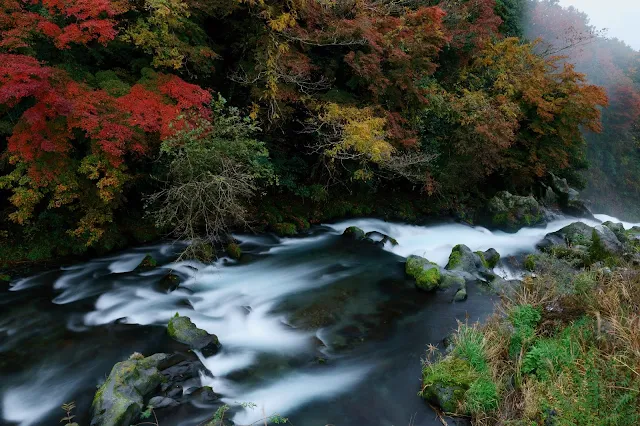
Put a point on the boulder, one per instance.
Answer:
(148, 262)
(354, 233)
(158, 402)
(462, 259)
(204, 394)
(581, 243)
(426, 274)
(618, 230)
(120, 399)
(512, 212)
(490, 258)
(568, 198)
(184, 331)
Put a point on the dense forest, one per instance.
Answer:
(121, 121)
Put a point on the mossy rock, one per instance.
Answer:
(354, 233)
(119, 401)
(170, 282)
(511, 212)
(426, 274)
(285, 229)
(446, 382)
(234, 251)
(489, 258)
(5, 278)
(182, 330)
(451, 280)
(148, 262)
(461, 295)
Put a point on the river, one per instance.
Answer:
(318, 328)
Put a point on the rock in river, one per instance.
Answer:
(184, 331)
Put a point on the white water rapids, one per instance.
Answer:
(241, 303)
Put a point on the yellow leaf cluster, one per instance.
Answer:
(361, 132)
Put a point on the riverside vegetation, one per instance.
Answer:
(121, 122)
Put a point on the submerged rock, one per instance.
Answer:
(120, 399)
(511, 212)
(461, 295)
(184, 331)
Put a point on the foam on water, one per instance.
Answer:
(435, 242)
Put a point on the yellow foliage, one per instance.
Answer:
(160, 33)
(360, 133)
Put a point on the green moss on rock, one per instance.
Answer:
(354, 232)
(148, 262)
(446, 382)
(234, 251)
(285, 229)
(427, 274)
(182, 330)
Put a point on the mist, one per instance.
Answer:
(612, 180)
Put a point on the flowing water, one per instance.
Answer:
(319, 328)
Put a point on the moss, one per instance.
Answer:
(148, 262)
(500, 218)
(285, 229)
(482, 259)
(426, 274)
(455, 258)
(234, 251)
(354, 232)
(5, 277)
(446, 382)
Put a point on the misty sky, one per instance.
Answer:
(621, 17)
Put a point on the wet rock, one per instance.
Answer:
(491, 258)
(120, 399)
(162, 402)
(568, 198)
(380, 238)
(170, 282)
(451, 279)
(184, 331)
(576, 234)
(204, 394)
(618, 230)
(148, 262)
(181, 372)
(426, 274)
(354, 233)
(462, 259)
(461, 295)
(511, 212)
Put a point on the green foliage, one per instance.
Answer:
(469, 345)
(524, 319)
(234, 251)
(482, 396)
(597, 251)
(530, 262)
(68, 418)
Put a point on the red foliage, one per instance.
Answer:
(82, 21)
(116, 126)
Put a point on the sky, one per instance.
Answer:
(620, 17)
